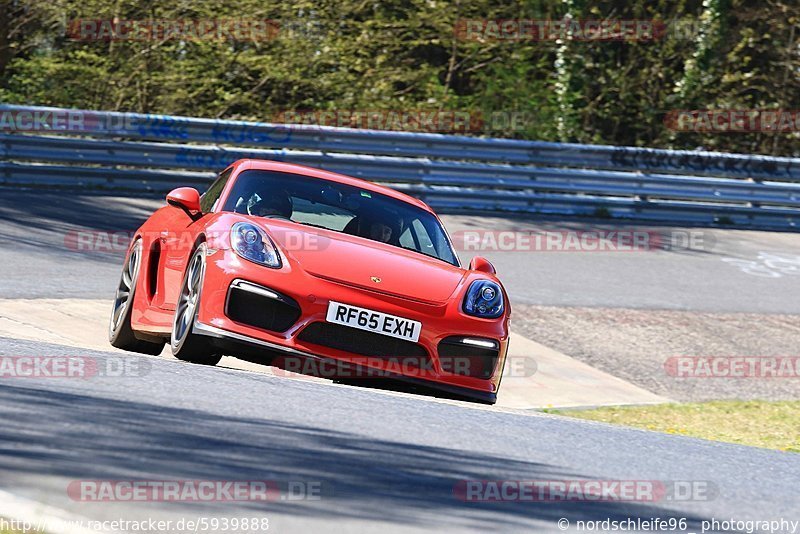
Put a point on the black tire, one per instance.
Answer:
(186, 345)
(120, 333)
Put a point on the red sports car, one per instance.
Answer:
(314, 272)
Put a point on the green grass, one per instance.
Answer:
(768, 424)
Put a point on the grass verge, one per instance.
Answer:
(768, 424)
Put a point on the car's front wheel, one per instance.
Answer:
(186, 345)
(120, 333)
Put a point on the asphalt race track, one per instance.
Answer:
(382, 461)
(378, 461)
(39, 262)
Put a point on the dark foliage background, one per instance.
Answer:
(404, 55)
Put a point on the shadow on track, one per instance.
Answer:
(362, 478)
(45, 219)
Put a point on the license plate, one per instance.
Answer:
(373, 321)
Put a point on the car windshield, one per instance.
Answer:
(340, 207)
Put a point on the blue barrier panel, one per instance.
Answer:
(111, 150)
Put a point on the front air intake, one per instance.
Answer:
(473, 357)
(261, 307)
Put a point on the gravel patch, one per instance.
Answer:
(644, 346)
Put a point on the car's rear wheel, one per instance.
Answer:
(186, 345)
(120, 333)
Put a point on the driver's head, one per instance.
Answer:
(270, 202)
(379, 231)
(385, 227)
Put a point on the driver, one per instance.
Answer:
(379, 231)
(385, 229)
(270, 202)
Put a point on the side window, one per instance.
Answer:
(425, 243)
(406, 239)
(211, 196)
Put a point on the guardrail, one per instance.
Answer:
(455, 173)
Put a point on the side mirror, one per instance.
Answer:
(479, 263)
(187, 199)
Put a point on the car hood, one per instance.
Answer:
(367, 264)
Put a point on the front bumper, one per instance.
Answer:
(441, 325)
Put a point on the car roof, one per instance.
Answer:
(269, 165)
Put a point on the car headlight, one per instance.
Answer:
(252, 243)
(484, 299)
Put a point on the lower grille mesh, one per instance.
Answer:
(364, 343)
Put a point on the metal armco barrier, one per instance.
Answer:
(132, 152)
